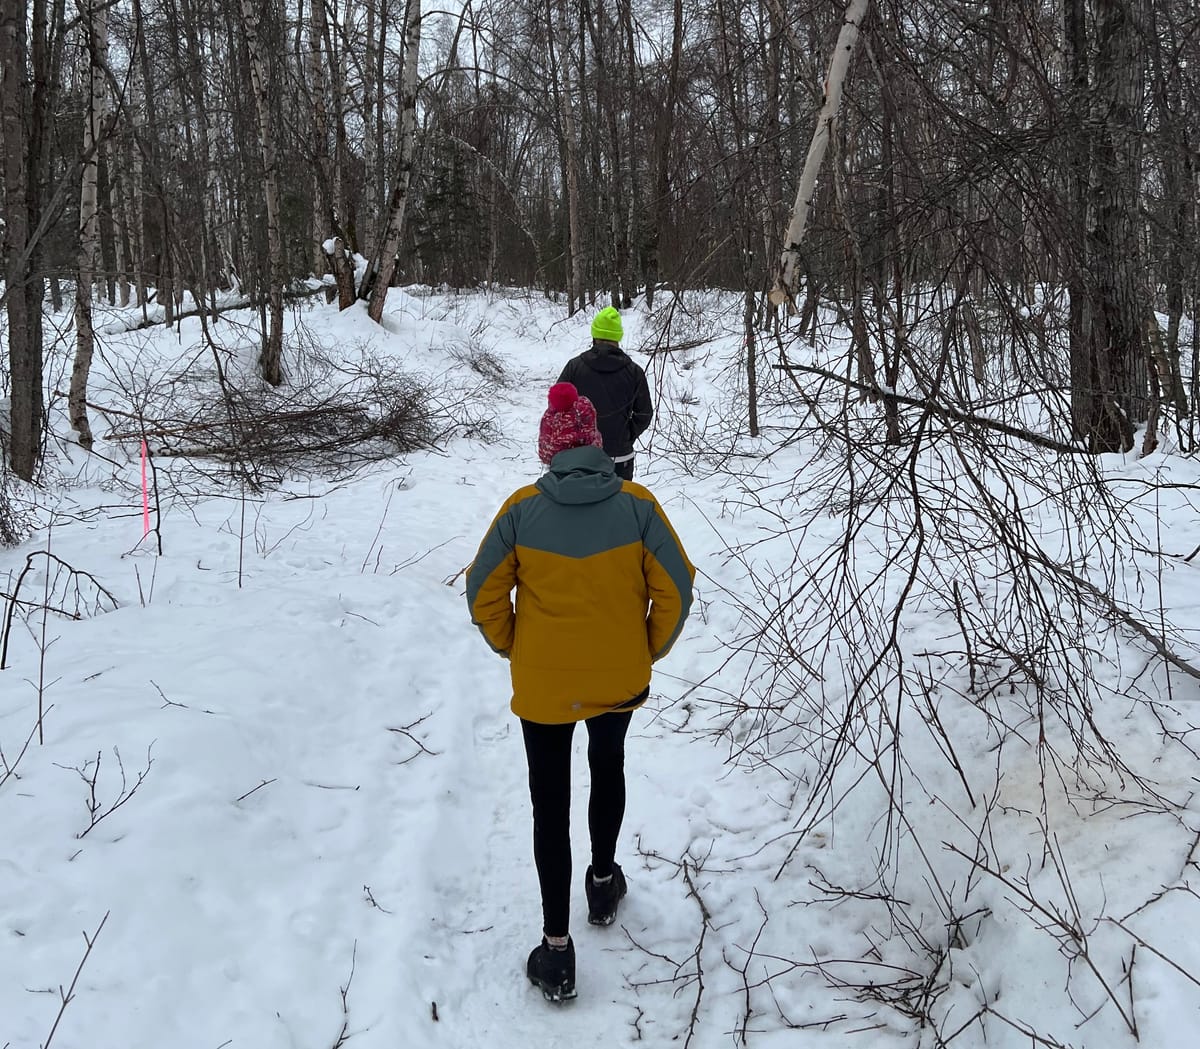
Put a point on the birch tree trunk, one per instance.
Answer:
(272, 351)
(95, 24)
(1177, 177)
(320, 122)
(164, 289)
(326, 224)
(379, 276)
(339, 190)
(785, 282)
(135, 200)
(633, 211)
(381, 92)
(201, 149)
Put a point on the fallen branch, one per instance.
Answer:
(405, 730)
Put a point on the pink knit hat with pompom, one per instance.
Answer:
(569, 422)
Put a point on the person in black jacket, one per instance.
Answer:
(616, 386)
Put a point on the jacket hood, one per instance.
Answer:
(579, 476)
(605, 357)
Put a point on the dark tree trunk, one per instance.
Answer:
(1109, 303)
(21, 112)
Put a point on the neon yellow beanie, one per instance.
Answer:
(607, 325)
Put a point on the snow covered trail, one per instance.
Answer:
(332, 842)
(333, 833)
(484, 913)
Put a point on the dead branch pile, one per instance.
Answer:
(303, 429)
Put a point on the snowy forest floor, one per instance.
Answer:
(279, 802)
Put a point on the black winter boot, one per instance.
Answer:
(553, 970)
(603, 898)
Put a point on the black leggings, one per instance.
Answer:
(548, 750)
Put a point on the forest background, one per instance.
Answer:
(1030, 162)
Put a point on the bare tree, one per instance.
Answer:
(784, 290)
(1108, 334)
(95, 25)
(14, 109)
(29, 52)
(559, 42)
(660, 151)
(272, 351)
(326, 224)
(378, 277)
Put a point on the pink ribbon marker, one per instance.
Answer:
(145, 496)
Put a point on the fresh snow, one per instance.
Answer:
(331, 844)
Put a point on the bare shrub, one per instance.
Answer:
(955, 618)
(15, 522)
(342, 408)
(98, 807)
(65, 593)
(482, 361)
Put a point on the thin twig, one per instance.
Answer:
(68, 996)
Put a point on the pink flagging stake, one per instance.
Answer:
(145, 496)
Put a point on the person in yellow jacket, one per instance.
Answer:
(603, 587)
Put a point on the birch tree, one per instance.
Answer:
(95, 25)
(379, 275)
(785, 290)
(1180, 204)
(317, 27)
(149, 167)
(199, 151)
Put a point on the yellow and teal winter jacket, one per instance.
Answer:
(603, 588)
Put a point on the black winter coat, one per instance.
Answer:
(617, 387)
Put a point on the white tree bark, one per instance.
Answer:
(326, 222)
(784, 290)
(135, 206)
(94, 20)
(385, 262)
(320, 119)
